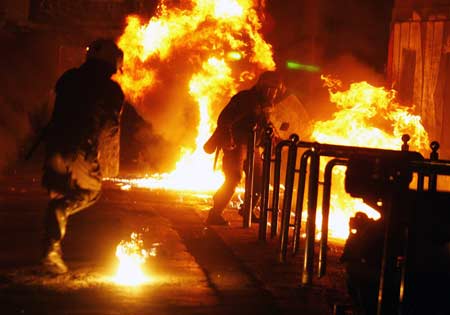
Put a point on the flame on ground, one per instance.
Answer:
(131, 256)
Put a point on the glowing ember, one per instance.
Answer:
(125, 186)
(211, 36)
(132, 257)
(368, 116)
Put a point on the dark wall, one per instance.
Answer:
(360, 28)
(39, 40)
(29, 62)
(324, 29)
(345, 38)
(421, 3)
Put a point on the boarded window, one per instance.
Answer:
(406, 80)
(442, 101)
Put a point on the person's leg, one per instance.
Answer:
(58, 211)
(257, 179)
(257, 185)
(74, 185)
(232, 167)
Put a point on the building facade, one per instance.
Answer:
(419, 63)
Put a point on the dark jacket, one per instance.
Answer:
(86, 101)
(244, 110)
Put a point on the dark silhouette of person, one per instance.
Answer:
(246, 109)
(87, 102)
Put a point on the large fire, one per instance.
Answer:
(222, 42)
(367, 116)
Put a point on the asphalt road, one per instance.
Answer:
(196, 270)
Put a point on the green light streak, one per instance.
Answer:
(294, 65)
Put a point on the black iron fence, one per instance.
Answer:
(382, 178)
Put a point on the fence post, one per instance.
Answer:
(434, 156)
(300, 198)
(287, 199)
(249, 177)
(326, 196)
(276, 187)
(267, 155)
(308, 265)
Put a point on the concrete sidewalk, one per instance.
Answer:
(196, 270)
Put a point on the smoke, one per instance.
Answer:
(347, 69)
(170, 117)
(169, 107)
(310, 89)
(344, 39)
(350, 69)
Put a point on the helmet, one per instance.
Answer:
(269, 79)
(270, 85)
(107, 51)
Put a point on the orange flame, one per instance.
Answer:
(361, 108)
(221, 41)
(131, 256)
(368, 116)
(210, 35)
(205, 28)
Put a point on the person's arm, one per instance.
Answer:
(232, 113)
(109, 116)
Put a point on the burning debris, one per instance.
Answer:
(132, 256)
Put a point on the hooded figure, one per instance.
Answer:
(87, 103)
(246, 109)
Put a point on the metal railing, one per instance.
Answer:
(307, 171)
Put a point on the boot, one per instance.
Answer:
(215, 218)
(52, 261)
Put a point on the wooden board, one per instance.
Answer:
(417, 49)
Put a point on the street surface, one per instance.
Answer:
(196, 270)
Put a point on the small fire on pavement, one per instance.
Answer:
(132, 257)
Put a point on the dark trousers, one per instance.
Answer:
(233, 163)
(73, 184)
